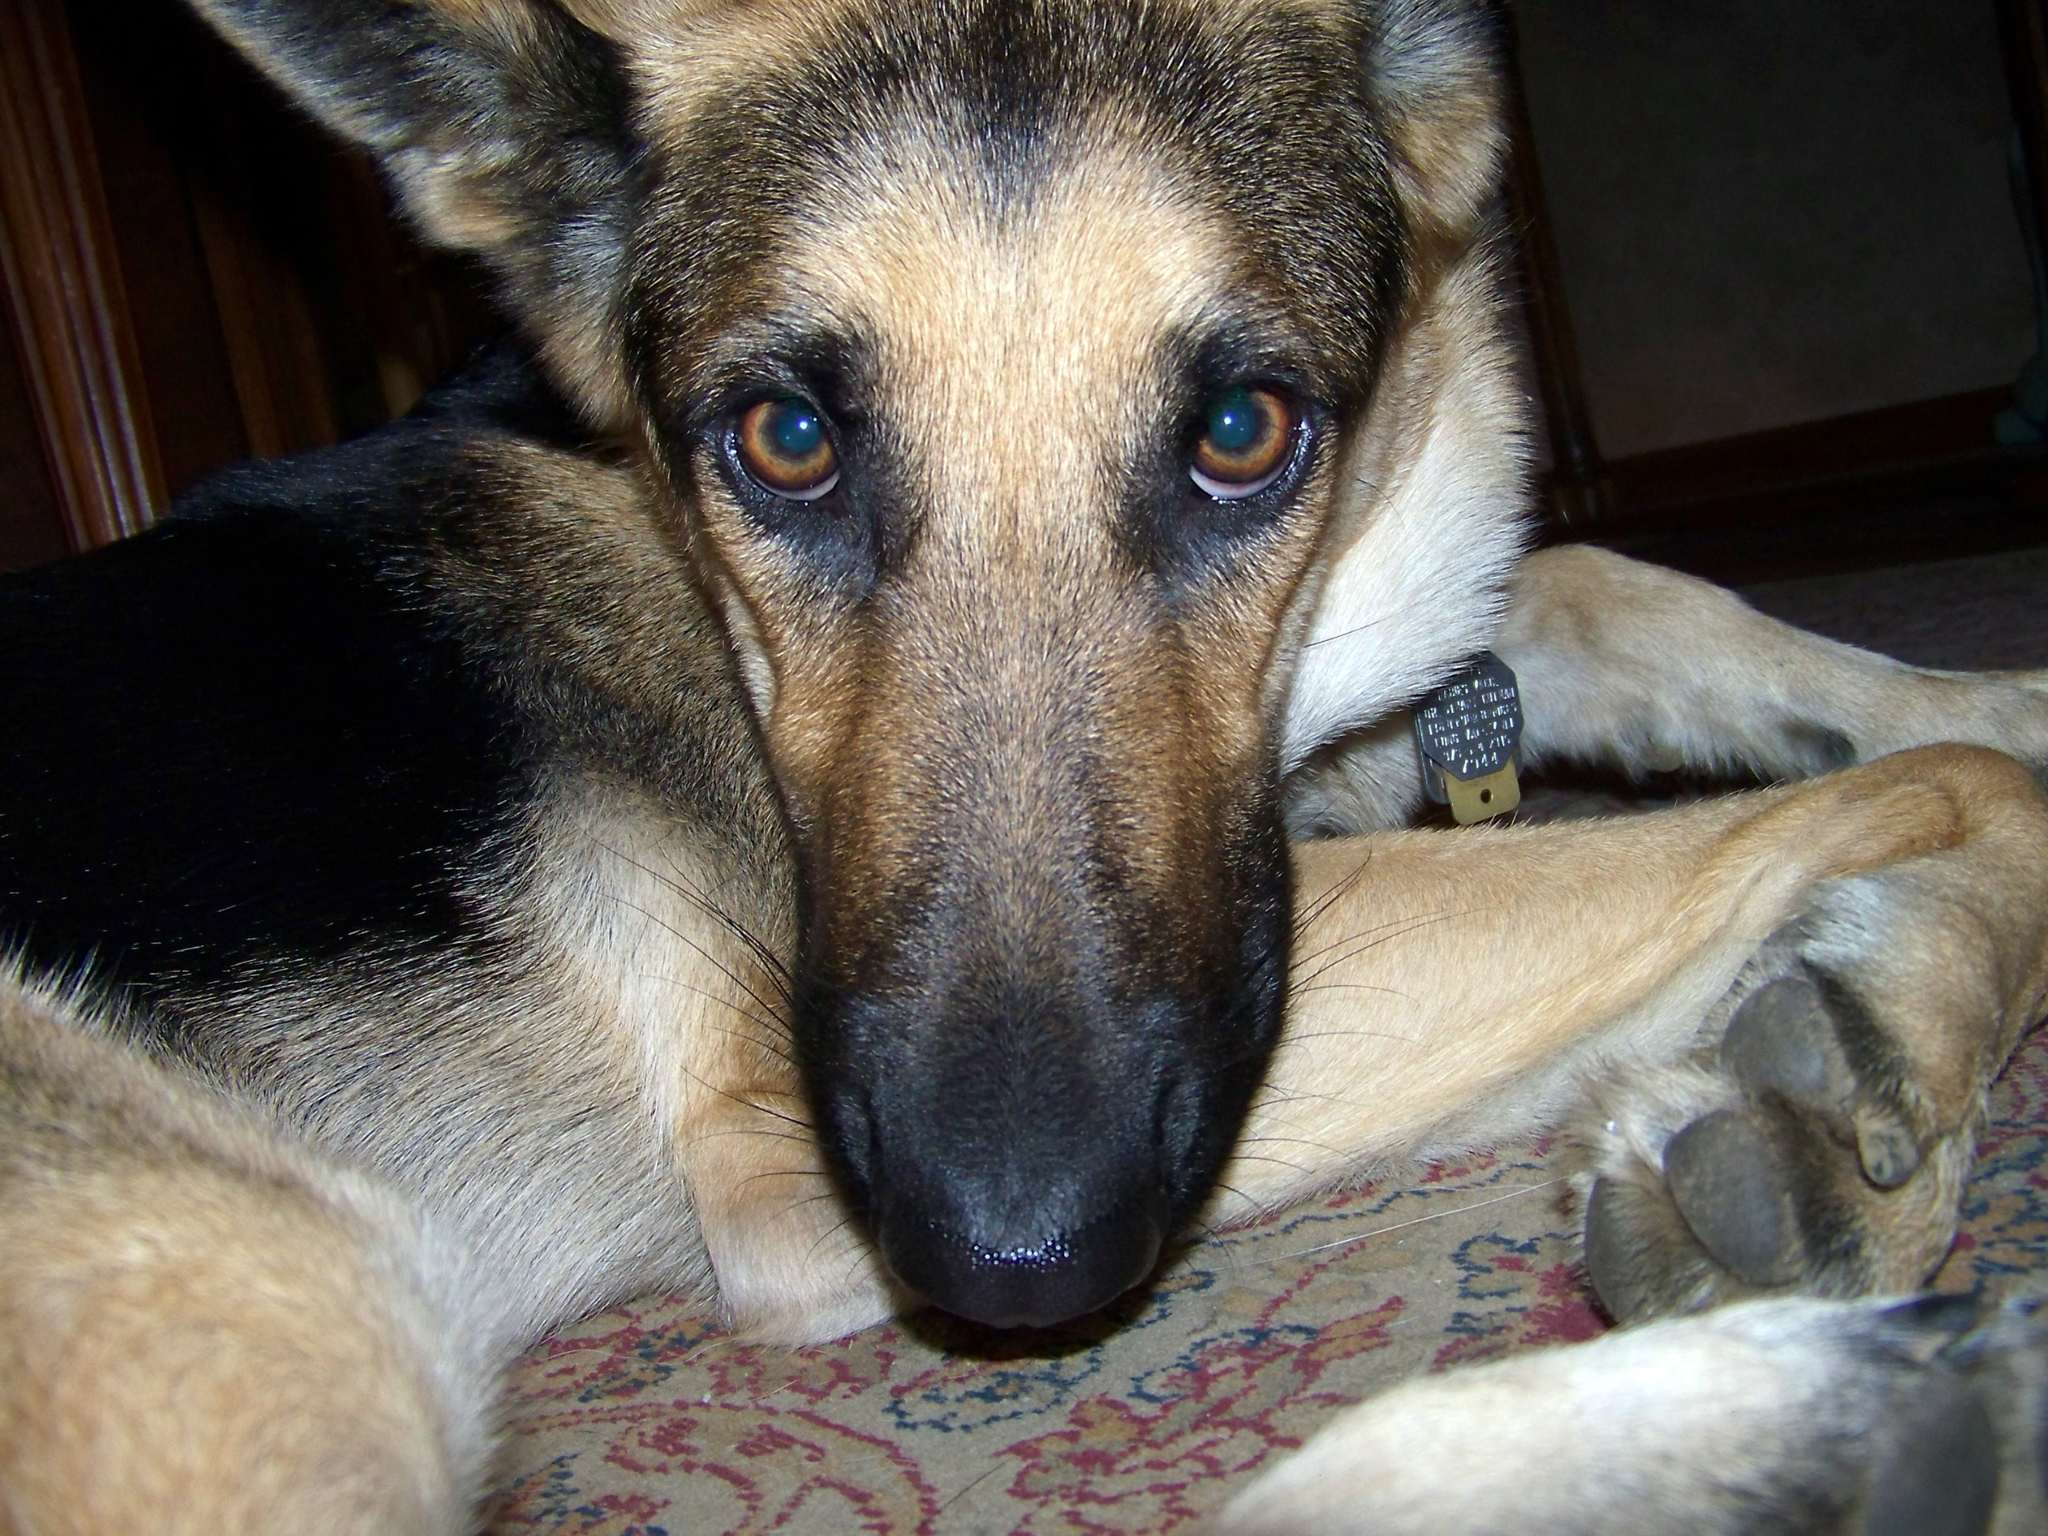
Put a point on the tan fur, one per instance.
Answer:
(1709, 1403)
(652, 930)
(1427, 526)
(1017, 356)
(161, 1254)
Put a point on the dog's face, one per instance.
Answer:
(1000, 361)
(1003, 410)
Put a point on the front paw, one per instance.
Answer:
(1870, 1418)
(1820, 1138)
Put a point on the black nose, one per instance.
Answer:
(1046, 1278)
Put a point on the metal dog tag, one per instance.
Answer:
(1468, 733)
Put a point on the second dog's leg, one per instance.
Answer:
(1646, 670)
(1801, 996)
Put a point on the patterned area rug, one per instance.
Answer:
(646, 1420)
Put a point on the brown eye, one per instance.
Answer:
(784, 446)
(1247, 440)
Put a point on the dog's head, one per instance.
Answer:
(1007, 366)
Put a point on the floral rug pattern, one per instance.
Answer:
(645, 1420)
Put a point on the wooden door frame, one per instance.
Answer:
(65, 297)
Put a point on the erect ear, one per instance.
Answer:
(1434, 69)
(505, 128)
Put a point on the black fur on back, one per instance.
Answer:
(253, 739)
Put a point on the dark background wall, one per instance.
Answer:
(269, 300)
(1774, 211)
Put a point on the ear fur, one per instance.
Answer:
(1434, 69)
(505, 128)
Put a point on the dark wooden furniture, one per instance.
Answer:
(194, 274)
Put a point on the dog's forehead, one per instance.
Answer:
(1034, 345)
(1107, 264)
(1246, 127)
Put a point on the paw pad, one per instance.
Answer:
(1786, 1041)
(1773, 1164)
(1726, 1179)
(1783, 1039)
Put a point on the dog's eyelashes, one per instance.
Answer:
(783, 444)
(1248, 438)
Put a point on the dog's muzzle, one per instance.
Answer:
(1020, 1210)
(1026, 1109)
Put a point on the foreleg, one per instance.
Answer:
(1790, 1004)
(1649, 670)
(204, 1330)
(1870, 1418)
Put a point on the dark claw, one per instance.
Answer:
(1783, 1041)
(1889, 1154)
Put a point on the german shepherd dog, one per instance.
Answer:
(812, 785)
